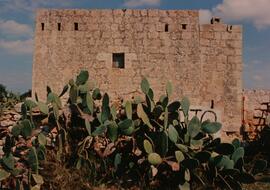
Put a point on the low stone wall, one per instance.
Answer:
(252, 104)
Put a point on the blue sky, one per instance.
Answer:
(17, 23)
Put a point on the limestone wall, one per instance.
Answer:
(221, 61)
(252, 104)
(203, 62)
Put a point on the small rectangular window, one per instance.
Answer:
(119, 60)
(184, 26)
(166, 27)
(59, 26)
(76, 26)
(42, 26)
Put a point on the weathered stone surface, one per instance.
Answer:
(204, 62)
(252, 106)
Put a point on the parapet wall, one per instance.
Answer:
(204, 62)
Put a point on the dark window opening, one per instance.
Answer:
(215, 20)
(184, 26)
(166, 27)
(76, 26)
(212, 104)
(229, 28)
(42, 26)
(119, 60)
(59, 26)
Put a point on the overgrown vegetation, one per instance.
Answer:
(140, 142)
(7, 99)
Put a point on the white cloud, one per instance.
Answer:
(256, 12)
(11, 27)
(17, 47)
(31, 5)
(138, 3)
(205, 16)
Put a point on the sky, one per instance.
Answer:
(17, 19)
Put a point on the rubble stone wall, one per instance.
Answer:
(252, 104)
(204, 62)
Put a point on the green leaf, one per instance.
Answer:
(90, 103)
(125, 124)
(173, 134)
(43, 108)
(79, 164)
(83, 89)
(33, 159)
(182, 147)
(126, 127)
(53, 98)
(222, 161)
(150, 94)
(114, 112)
(174, 106)
(145, 86)
(55, 111)
(154, 159)
(166, 118)
(129, 131)
(196, 144)
(185, 105)
(194, 127)
(169, 89)
(24, 111)
(30, 103)
(187, 175)
(99, 130)
(88, 127)
(179, 156)
(163, 140)
(38, 179)
(165, 102)
(105, 114)
(141, 114)
(117, 160)
(113, 131)
(236, 143)
(8, 161)
(238, 153)
(3, 175)
(185, 186)
(42, 139)
(105, 100)
(128, 108)
(211, 127)
(26, 128)
(73, 94)
(96, 94)
(82, 77)
(16, 130)
(148, 146)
